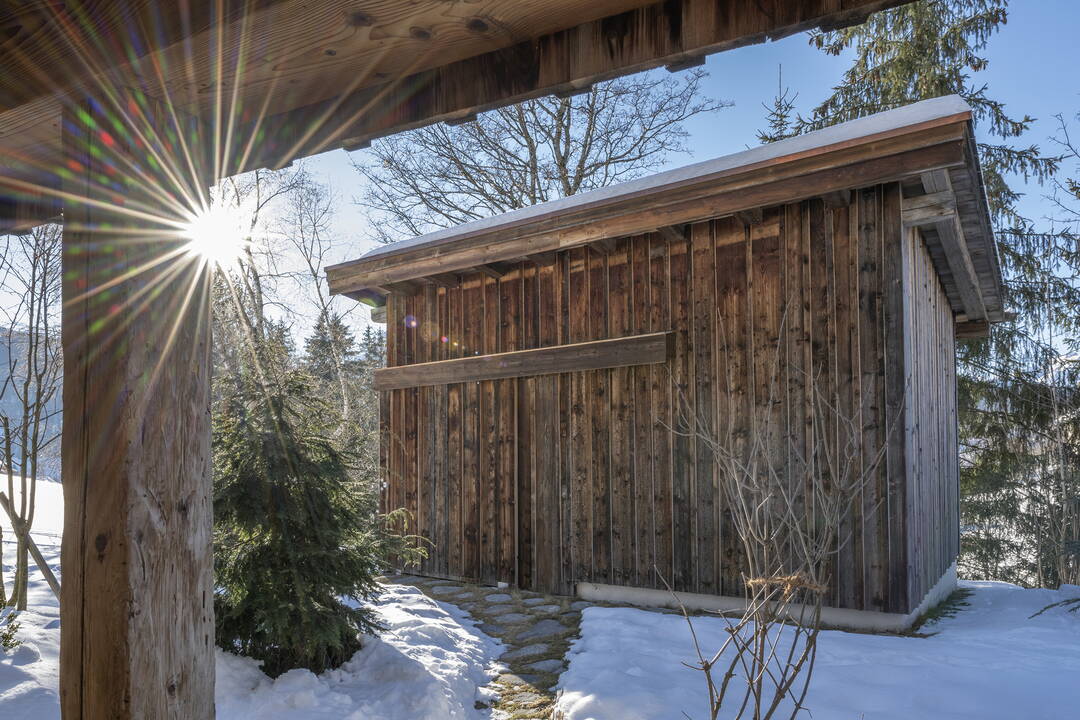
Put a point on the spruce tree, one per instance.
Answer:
(297, 540)
(1015, 387)
(330, 347)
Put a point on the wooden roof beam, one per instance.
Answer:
(939, 199)
(837, 199)
(928, 209)
(487, 269)
(672, 233)
(753, 216)
(674, 33)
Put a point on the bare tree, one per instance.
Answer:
(787, 497)
(529, 153)
(305, 225)
(29, 393)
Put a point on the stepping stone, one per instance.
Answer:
(534, 601)
(516, 679)
(546, 609)
(543, 629)
(527, 651)
(580, 605)
(498, 598)
(553, 665)
(500, 609)
(529, 698)
(445, 589)
(491, 629)
(512, 618)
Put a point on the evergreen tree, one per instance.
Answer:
(330, 351)
(296, 545)
(1012, 385)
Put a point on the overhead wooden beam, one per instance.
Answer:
(137, 599)
(666, 32)
(606, 245)
(972, 329)
(950, 234)
(572, 92)
(929, 208)
(837, 199)
(951, 237)
(685, 63)
(615, 352)
(672, 233)
(485, 269)
(753, 216)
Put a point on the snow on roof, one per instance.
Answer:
(909, 115)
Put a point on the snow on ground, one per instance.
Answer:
(989, 662)
(430, 664)
(426, 666)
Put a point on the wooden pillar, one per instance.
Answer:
(137, 603)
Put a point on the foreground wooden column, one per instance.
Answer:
(137, 603)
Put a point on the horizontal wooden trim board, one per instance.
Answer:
(645, 349)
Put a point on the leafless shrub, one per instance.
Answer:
(787, 495)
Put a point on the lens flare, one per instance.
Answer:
(216, 235)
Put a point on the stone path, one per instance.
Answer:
(536, 630)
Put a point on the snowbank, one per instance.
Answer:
(430, 664)
(989, 662)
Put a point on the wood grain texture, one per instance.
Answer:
(137, 632)
(287, 79)
(603, 487)
(612, 353)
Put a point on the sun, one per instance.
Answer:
(216, 235)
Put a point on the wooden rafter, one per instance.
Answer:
(939, 212)
(317, 76)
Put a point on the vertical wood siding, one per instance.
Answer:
(933, 540)
(546, 481)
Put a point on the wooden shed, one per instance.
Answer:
(535, 360)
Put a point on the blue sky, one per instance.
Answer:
(1034, 69)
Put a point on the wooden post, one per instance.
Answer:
(137, 602)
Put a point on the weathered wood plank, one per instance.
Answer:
(598, 396)
(641, 422)
(489, 441)
(682, 453)
(895, 382)
(466, 337)
(621, 428)
(452, 413)
(136, 601)
(703, 519)
(660, 382)
(581, 439)
(576, 357)
(733, 408)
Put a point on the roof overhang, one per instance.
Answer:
(276, 80)
(928, 145)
